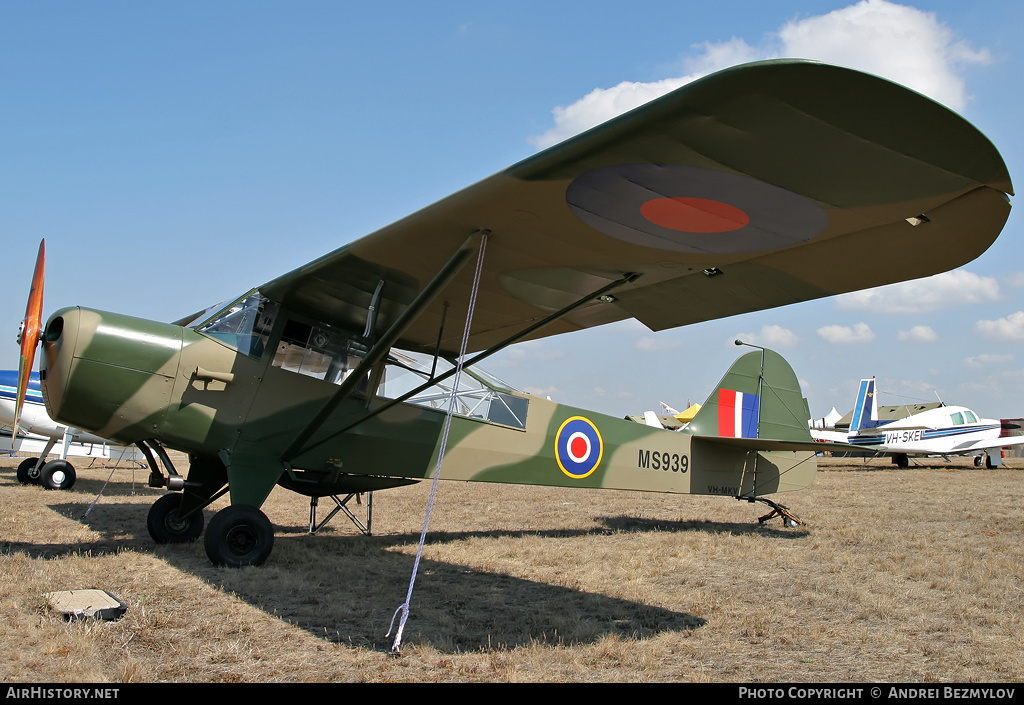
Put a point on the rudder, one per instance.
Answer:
(865, 411)
(759, 397)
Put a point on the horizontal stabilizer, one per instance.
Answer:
(776, 444)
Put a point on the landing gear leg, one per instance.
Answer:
(30, 471)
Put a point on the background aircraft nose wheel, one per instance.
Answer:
(57, 475)
(238, 536)
(167, 526)
(27, 474)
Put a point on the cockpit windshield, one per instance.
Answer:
(244, 325)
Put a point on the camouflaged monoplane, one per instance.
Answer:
(755, 187)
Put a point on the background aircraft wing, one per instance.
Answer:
(972, 446)
(755, 187)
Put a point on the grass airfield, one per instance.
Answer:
(897, 576)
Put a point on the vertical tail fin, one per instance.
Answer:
(759, 397)
(865, 411)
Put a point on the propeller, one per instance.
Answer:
(28, 334)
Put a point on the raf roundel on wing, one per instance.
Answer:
(692, 209)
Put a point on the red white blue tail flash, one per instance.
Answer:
(737, 414)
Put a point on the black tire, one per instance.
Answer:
(27, 474)
(166, 526)
(58, 475)
(238, 536)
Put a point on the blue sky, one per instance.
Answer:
(177, 154)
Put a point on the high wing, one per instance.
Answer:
(759, 186)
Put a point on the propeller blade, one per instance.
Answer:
(31, 327)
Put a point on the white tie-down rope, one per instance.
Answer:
(452, 401)
(100, 493)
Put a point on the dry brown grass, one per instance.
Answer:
(899, 575)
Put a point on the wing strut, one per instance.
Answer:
(384, 343)
(626, 279)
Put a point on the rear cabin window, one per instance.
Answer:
(480, 395)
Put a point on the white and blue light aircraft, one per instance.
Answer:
(936, 430)
(40, 435)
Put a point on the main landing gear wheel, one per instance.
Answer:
(27, 474)
(57, 475)
(167, 526)
(238, 536)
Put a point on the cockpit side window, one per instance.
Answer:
(971, 418)
(317, 351)
(245, 325)
(958, 419)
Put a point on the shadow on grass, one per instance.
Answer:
(346, 588)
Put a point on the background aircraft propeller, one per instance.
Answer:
(28, 334)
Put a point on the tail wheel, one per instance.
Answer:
(27, 473)
(57, 475)
(166, 525)
(238, 536)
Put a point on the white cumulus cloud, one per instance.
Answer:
(984, 359)
(602, 104)
(771, 337)
(899, 42)
(846, 335)
(918, 334)
(1008, 329)
(921, 295)
(545, 392)
(651, 344)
